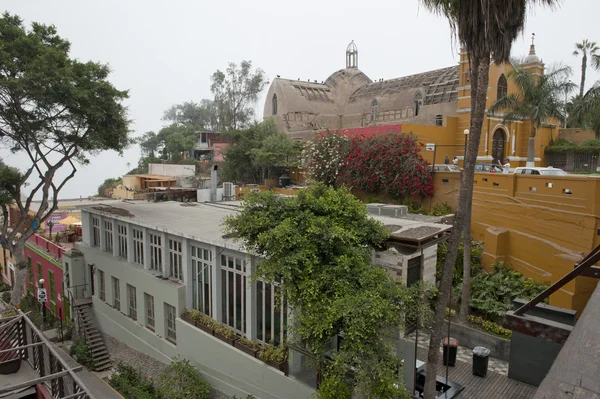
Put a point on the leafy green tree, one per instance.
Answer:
(55, 111)
(585, 111)
(235, 92)
(149, 144)
(584, 49)
(538, 100)
(486, 29)
(319, 246)
(202, 116)
(256, 151)
(181, 380)
(108, 183)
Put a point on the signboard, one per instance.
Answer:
(429, 147)
(42, 295)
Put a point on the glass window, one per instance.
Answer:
(374, 109)
(102, 285)
(271, 313)
(108, 235)
(95, 231)
(116, 293)
(502, 87)
(156, 252)
(233, 275)
(122, 232)
(175, 259)
(171, 315)
(138, 246)
(39, 272)
(202, 280)
(132, 302)
(274, 104)
(149, 300)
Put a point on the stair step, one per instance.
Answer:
(98, 351)
(95, 343)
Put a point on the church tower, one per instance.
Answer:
(351, 56)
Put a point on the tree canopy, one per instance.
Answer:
(319, 246)
(54, 110)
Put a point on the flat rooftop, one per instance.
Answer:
(202, 221)
(76, 203)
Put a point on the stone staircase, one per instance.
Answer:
(91, 334)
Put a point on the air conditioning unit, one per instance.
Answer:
(228, 191)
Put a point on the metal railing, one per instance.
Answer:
(21, 341)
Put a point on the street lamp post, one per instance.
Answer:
(466, 133)
(43, 306)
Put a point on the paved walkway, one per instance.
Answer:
(464, 354)
(95, 385)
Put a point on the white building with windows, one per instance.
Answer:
(143, 263)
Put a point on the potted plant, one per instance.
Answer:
(247, 346)
(275, 356)
(225, 334)
(187, 316)
(205, 323)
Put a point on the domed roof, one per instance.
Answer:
(352, 76)
(352, 48)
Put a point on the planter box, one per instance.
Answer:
(246, 349)
(283, 366)
(204, 328)
(223, 338)
(188, 319)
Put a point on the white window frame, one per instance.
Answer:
(231, 268)
(175, 259)
(138, 246)
(202, 279)
(122, 236)
(108, 236)
(95, 231)
(274, 295)
(102, 284)
(131, 301)
(156, 252)
(150, 318)
(116, 289)
(170, 324)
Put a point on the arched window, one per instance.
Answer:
(502, 87)
(418, 102)
(374, 109)
(274, 104)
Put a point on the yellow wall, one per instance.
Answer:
(538, 229)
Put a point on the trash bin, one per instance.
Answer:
(481, 357)
(450, 348)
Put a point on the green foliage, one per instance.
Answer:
(318, 244)
(6, 296)
(4, 287)
(129, 383)
(490, 326)
(30, 304)
(593, 144)
(414, 207)
(82, 353)
(565, 145)
(257, 151)
(271, 353)
(334, 387)
(441, 209)
(108, 183)
(10, 181)
(476, 251)
(181, 380)
(492, 294)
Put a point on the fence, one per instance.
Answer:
(574, 161)
(21, 342)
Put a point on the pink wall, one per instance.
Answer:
(55, 266)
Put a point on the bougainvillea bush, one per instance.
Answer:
(389, 163)
(324, 157)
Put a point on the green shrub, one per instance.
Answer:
(593, 143)
(81, 352)
(129, 383)
(476, 251)
(414, 207)
(492, 294)
(6, 296)
(181, 380)
(271, 353)
(441, 209)
(490, 326)
(334, 388)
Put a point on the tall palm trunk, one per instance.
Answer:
(464, 198)
(583, 70)
(531, 146)
(466, 283)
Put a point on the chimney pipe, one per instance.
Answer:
(213, 183)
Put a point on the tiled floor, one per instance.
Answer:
(464, 354)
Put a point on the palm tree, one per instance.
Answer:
(537, 100)
(585, 111)
(584, 49)
(487, 29)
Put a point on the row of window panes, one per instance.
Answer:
(108, 235)
(122, 237)
(95, 232)
(138, 246)
(156, 252)
(175, 260)
(233, 291)
(202, 280)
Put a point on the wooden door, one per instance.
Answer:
(498, 146)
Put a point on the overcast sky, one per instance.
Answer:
(164, 52)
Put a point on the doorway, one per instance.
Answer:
(93, 278)
(498, 146)
(413, 273)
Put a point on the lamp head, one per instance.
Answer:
(41, 281)
(466, 131)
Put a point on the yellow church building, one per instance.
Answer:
(434, 105)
